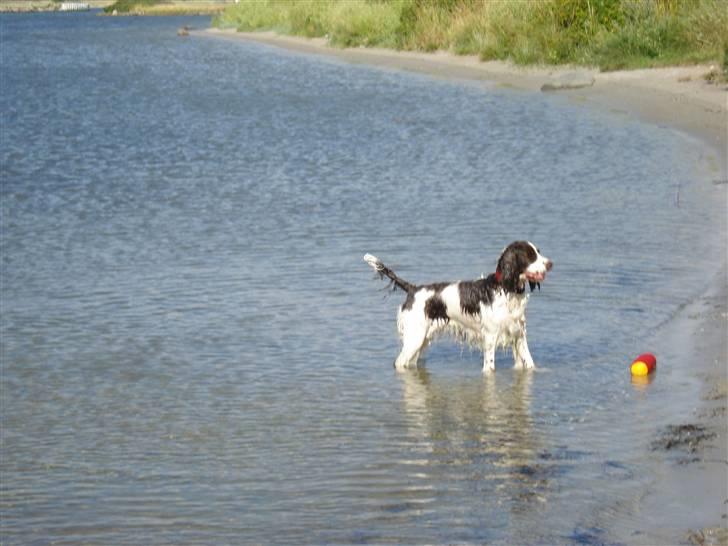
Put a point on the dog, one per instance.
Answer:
(488, 312)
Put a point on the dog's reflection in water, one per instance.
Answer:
(478, 432)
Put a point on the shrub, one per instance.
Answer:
(357, 23)
(126, 6)
(608, 33)
(262, 14)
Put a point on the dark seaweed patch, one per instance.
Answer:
(617, 470)
(593, 536)
(688, 438)
(562, 453)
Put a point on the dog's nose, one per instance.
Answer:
(549, 265)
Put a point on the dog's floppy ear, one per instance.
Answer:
(511, 264)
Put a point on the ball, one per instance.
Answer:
(643, 364)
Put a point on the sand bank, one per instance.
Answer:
(677, 98)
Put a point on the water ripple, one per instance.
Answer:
(194, 353)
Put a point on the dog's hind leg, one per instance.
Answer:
(414, 337)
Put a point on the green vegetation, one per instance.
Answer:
(166, 7)
(611, 34)
(126, 6)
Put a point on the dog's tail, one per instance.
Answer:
(384, 271)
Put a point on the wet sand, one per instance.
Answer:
(679, 99)
(689, 498)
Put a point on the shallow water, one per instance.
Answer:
(194, 352)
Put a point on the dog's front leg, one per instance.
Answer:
(489, 353)
(521, 355)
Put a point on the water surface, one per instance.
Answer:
(193, 351)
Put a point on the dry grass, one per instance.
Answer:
(180, 8)
(168, 7)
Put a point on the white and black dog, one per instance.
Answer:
(488, 312)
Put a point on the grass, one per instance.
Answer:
(610, 34)
(166, 7)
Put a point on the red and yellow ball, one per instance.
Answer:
(644, 364)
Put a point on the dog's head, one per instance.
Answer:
(520, 262)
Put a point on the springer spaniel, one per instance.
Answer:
(488, 312)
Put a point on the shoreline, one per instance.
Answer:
(46, 6)
(693, 452)
(186, 8)
(675, 99)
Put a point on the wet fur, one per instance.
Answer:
(487, 313)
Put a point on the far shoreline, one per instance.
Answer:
(47, 6)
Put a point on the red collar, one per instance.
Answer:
(498, 276)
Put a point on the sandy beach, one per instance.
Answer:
(677, 98)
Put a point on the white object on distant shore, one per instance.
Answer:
(74, 6)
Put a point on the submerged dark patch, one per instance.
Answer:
(473, 293)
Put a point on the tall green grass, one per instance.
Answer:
(164, 7)
(126, 6)
(610, 34)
